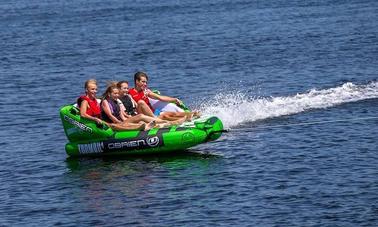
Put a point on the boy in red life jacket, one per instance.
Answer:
(141, 96)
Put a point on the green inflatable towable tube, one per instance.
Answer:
(86, 138)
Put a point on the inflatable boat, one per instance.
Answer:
(86, 138)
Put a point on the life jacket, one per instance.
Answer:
(140, 96)
(130, 109)
(94, 109)
(114, 109)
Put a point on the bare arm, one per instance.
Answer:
(164, 98)
(83, 112)
(133, 101)
(122, 110)
(106, 108)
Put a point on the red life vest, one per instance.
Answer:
(94, 109)
(139, 95)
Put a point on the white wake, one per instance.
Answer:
(237, 108)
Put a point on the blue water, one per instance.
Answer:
(296, 83)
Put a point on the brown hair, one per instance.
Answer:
(111, 86)
(122, 82)
(139, 75)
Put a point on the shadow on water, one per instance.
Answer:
(112, 184)
(130, 174)
(170, 160)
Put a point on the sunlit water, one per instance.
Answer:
(238, 108)
(294, 82)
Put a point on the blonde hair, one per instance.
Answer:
(90, 81)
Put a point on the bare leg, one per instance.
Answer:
(144, 118)
(178, 121)
(169, 116)
(172, 116)
(143, 108)
(127, 126)
(170, 123)
(196, 114)
(163, 125)
(190, 115)
(150, 125)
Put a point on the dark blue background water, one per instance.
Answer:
(313, 164)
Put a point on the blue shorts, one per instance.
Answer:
(157, 112)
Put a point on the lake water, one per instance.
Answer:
(295, 82)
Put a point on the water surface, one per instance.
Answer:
(295, 82)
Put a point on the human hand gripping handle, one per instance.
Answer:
(98, 120)
(101, 124)
(178, 102)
